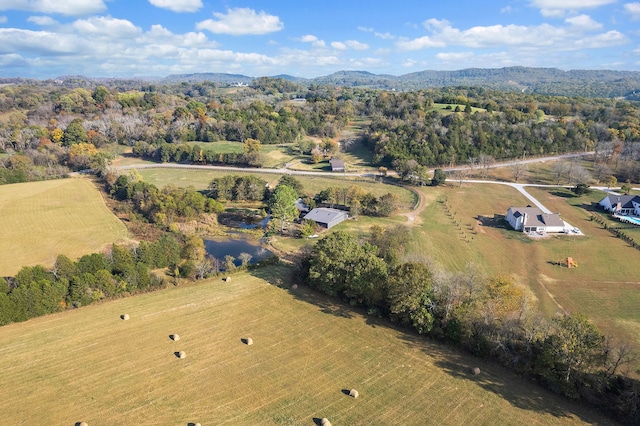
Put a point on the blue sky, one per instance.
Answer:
(128, 38)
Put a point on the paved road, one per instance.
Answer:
(520, 187)
(285, 170)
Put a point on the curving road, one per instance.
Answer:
(520, 187)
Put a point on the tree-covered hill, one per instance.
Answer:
(545, 81)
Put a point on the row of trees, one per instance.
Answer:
(489, 316)
(36, 290)
(161, 206)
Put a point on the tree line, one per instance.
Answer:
(491, 317)
(36, 290)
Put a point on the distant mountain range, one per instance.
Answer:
(547, 81)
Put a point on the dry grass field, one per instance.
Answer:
(41, 220)
(200, 180)
(89, 365)
(605, 286)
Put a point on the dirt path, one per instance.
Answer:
(414, 215)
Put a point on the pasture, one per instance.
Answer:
(41, 220)
(307, 352)
(604, 286)
(200, 180)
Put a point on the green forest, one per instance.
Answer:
(48, 130)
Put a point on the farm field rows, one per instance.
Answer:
(41, 220)
(604, 286)
(89, 365)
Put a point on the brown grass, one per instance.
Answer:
(41, 220)
(54, 368)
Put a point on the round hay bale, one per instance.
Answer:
(294, 287)
(124, 317)
(228, 279)
(197, 424)
(175, 337)
(354, 393)
(249, 341)
(475, 371)
(182, 355)
(325, 422)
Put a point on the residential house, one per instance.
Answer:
(532, 219)
(337, 165)
(326, 217)
(624, 205)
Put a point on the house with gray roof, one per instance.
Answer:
(337, 165)
(326, 217)
(532, 219)
(624, 205)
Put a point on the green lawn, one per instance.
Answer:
(41, 220)
(89, 365)
(604, 286)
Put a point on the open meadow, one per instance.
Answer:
(458, 227)
(41, 220)
(200, 180)
(307, 353)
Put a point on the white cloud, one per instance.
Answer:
(178, 5)
(384, 36)
(607, 39)
(106, 26)
(633, 9)
(315, 42)
(42, 20)
(338, 45)
(557, 8)
(160, 35)
(356, 45)
(3, 19)
(546, 36)
(241, 21)
(66, 7)
(409, 63)
(455, 56)
(38, 42)
(583, 21)
(419, 43)
(506, 9)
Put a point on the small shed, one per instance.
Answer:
(326, 217)
(337, 165)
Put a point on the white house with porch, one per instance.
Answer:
(533, 219)
(623, 205)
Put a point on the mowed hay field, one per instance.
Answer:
(200, 180)
(605, 286)
(89, 365)
(41, 220)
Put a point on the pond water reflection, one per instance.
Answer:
(221, 247)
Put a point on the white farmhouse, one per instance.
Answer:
(625, 205)
(532, 219)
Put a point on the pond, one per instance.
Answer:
(221, 247)
(243, 219)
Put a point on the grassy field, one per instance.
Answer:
(604, 286)
(89, 365)
(200, 180)
(41, 220)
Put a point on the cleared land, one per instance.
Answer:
(200, 180)
(89, 365)
(604, 286)
(41, 220)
